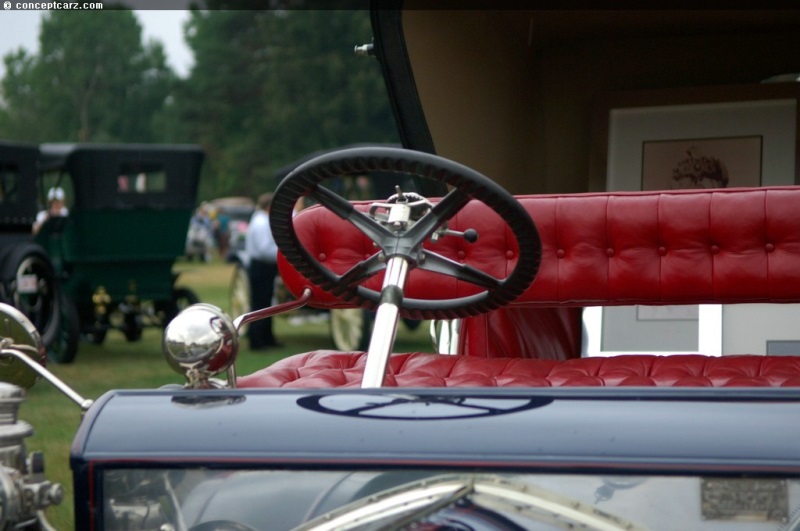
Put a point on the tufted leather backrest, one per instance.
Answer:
(620, 248)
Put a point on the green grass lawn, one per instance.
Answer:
(118, 364)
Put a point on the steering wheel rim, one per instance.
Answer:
(467, 184)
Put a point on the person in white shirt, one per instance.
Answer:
(262, 269)
(55, 208)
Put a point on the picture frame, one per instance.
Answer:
(701, 137)
(722, 162)
(722, 118)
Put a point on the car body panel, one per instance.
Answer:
(571, 429)
(544, 433)
(18, 166)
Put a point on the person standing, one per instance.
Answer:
(222, 232)
(262, 269)
(56, 207)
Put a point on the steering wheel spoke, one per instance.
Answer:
(445, 209)
(363, 270)
(345, 210)
(437, 263)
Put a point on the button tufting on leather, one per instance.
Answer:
(609, 252)
(769, 247)
(560, 253)
(715, 249)
(322, 257)
(461, 255)
(662, 251)
(509, 254)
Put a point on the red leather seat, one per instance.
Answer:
(624, 248)
(327, 369)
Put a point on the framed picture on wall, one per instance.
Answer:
(714, 137)
(702, 162)
(742, 135)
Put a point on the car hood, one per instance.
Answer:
(574, 428)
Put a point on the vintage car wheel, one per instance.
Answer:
(181, 299)
(239, 293)
(412, 324)
(96, 336)
(350, 328)
(466, 184)
(64, 346)
(32, 288)
(132, 326)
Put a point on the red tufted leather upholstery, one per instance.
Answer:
(325, 369)
(622, 248)
(683, 246)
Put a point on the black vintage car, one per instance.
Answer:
(108, 263)
(129, 209)
(539, 409)
(30, 281)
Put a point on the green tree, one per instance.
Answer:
(93, 80)
(268, 87)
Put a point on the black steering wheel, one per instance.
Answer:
(466, 184)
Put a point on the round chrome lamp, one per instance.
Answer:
(200, 343)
